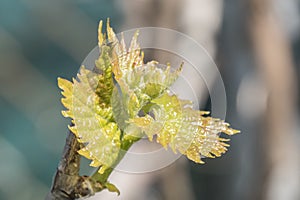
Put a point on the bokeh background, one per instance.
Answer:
(255, 43)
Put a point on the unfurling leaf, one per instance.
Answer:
(143, 83)
(185, 130)
(93, 121)
(112, 188)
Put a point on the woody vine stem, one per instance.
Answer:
(68, 184)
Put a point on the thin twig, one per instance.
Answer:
(67, 183)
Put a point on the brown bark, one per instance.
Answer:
(67, 183)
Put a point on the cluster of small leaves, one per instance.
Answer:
(127, 99)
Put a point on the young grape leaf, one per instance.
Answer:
(93, 122)
(142, 84)
(185, 130)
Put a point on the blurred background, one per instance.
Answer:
(255, 43)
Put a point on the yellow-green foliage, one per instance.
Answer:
(106, 115)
